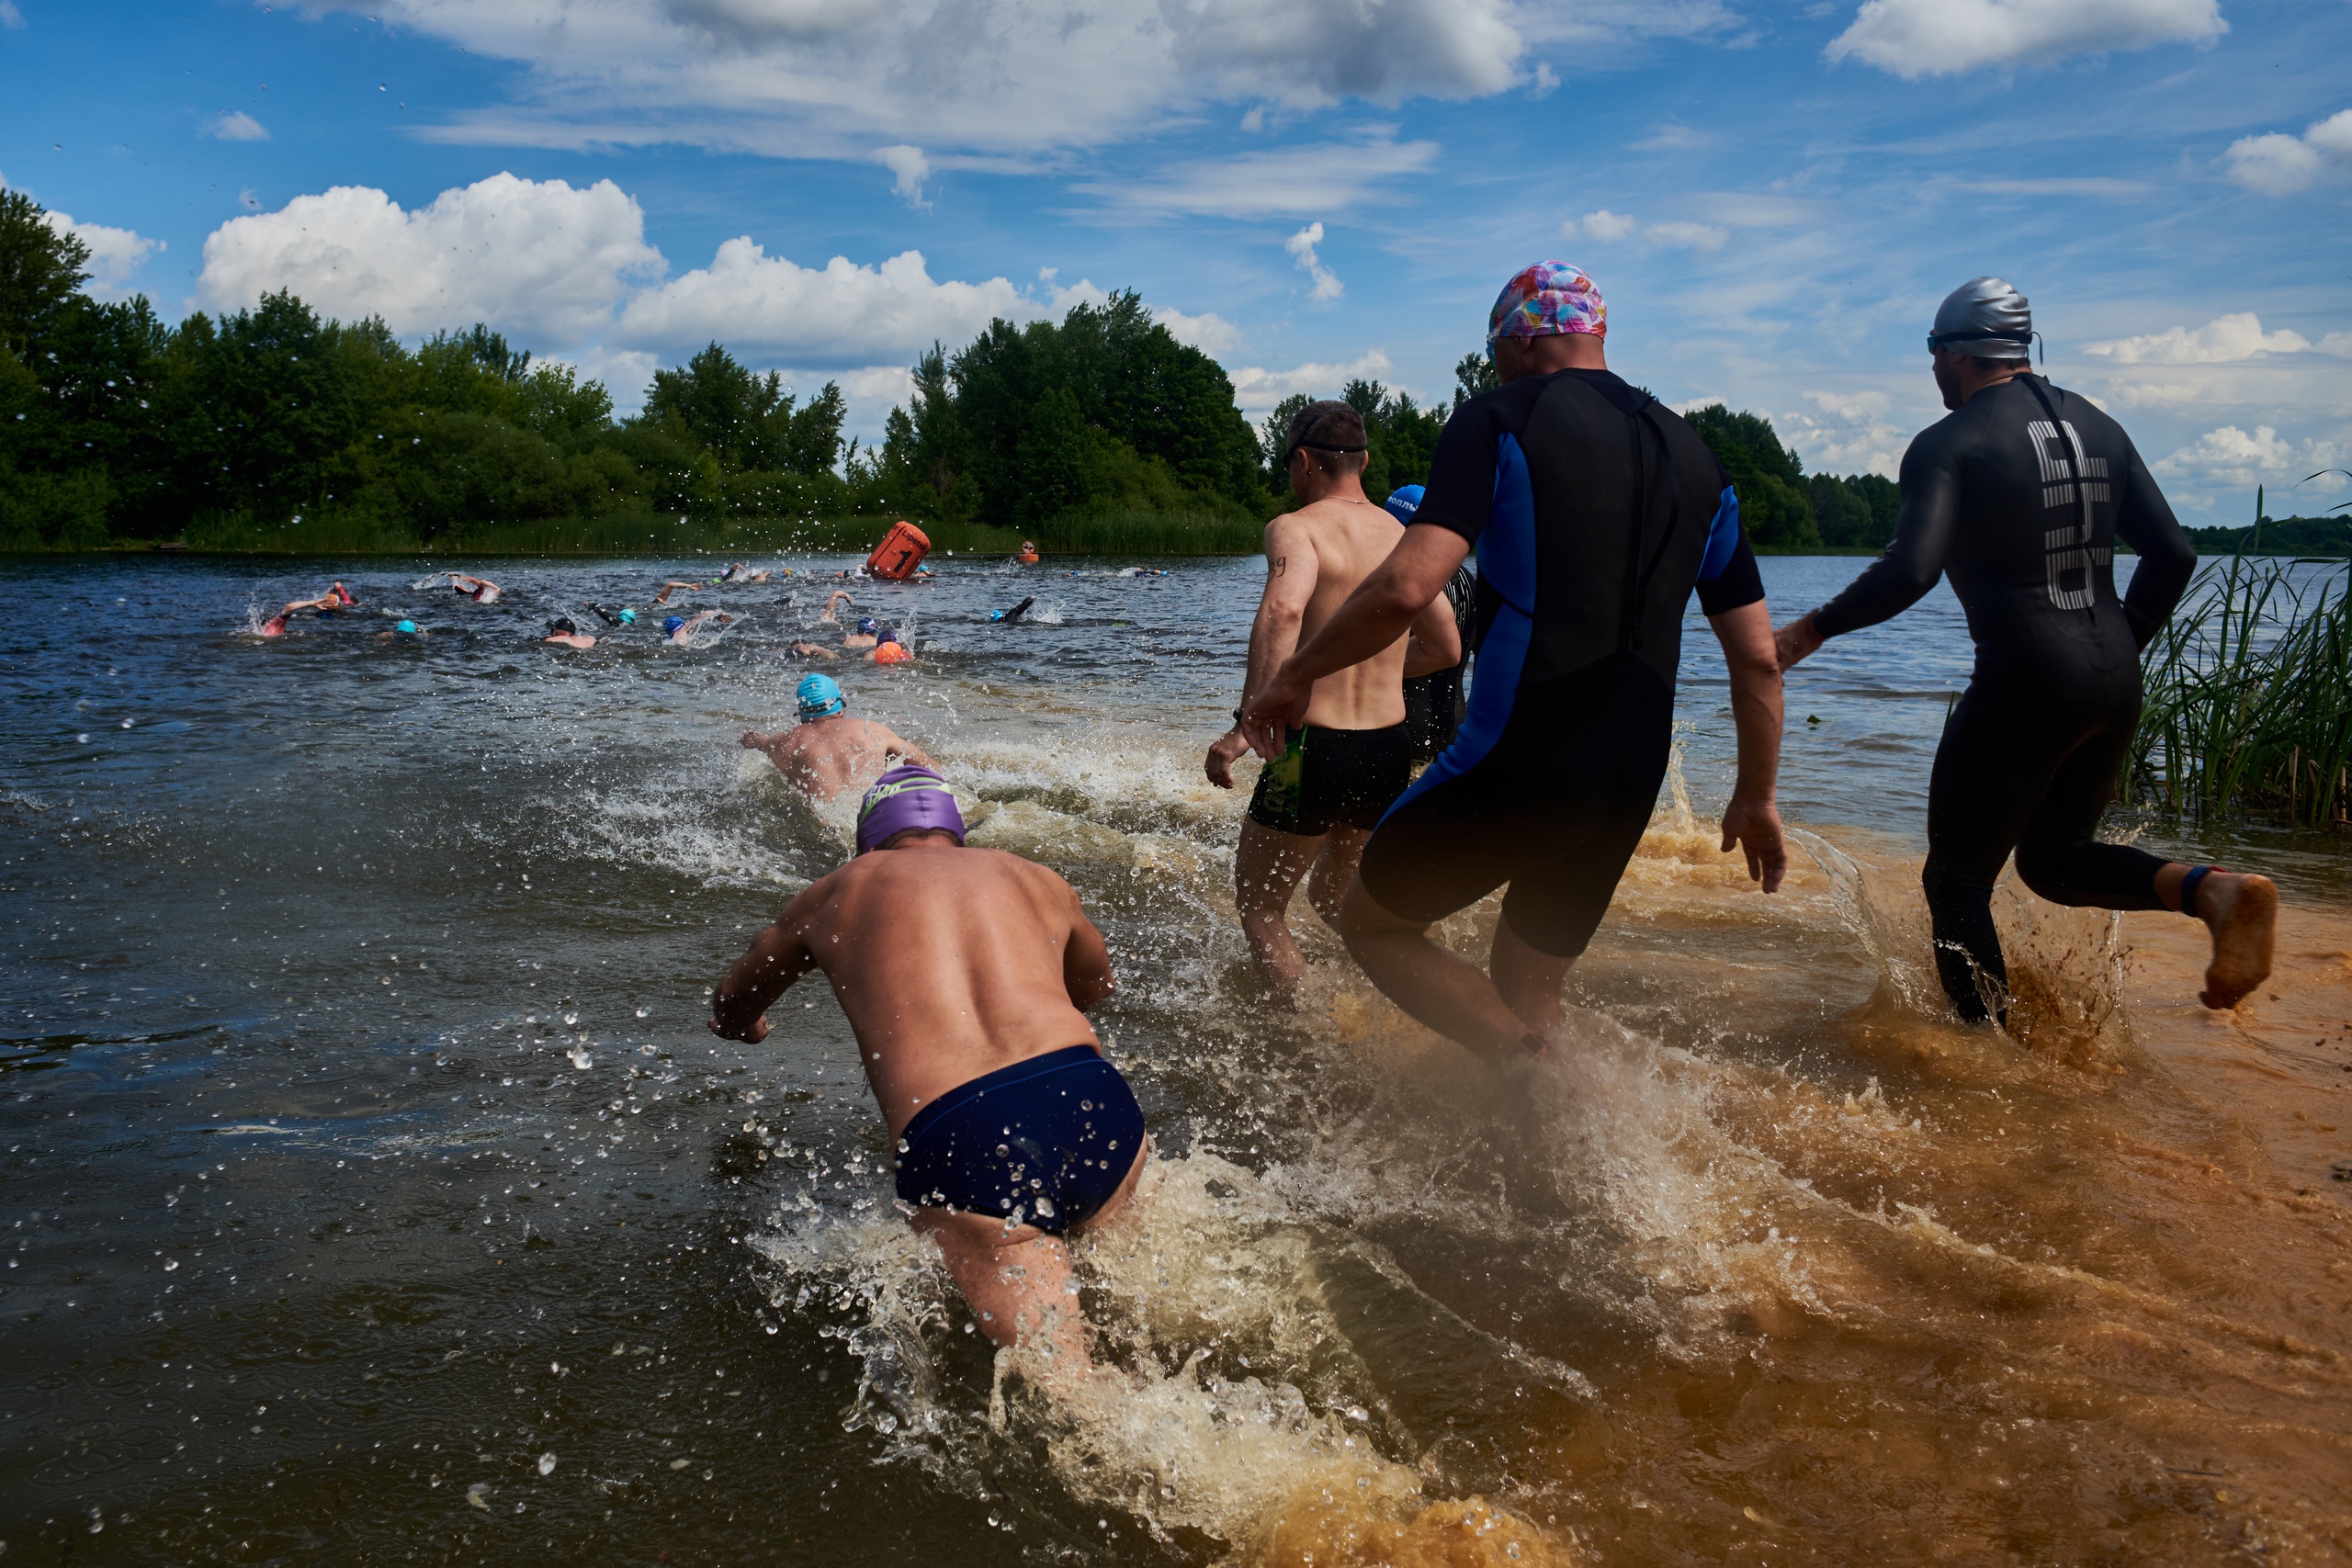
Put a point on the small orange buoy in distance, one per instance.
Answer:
(1028, 552)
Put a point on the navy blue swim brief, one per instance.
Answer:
(1045, 1142)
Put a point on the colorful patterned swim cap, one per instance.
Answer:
(1550, 296)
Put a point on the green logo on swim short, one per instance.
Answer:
(1281, 777)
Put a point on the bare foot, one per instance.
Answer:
(2243, 910)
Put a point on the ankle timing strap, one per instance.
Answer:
(2189, 885)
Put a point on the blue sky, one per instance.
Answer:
(1773, 196)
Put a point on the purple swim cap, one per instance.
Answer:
(902, 798)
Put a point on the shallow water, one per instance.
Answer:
(374, 1193)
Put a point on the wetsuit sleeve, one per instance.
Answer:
(1461, 491)
(2144, 521)
(1924, 531)
(1728, 576)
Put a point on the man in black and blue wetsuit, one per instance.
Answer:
(1595, 510)
(2019, 494)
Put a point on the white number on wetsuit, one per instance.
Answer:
(2068, 553)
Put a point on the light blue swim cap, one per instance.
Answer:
(820, 696)
(628, 618)
(406, 628)
(1404, 501)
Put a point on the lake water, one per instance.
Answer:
(372, 1192)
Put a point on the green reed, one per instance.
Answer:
(2248, 703)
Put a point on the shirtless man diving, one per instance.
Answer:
(1319, 799)
(829, 750)
(965, 974)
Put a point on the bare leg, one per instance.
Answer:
(1266, 869)
(2242, 910)
(1441, 989)
(1017, 1279)
(1335, 869)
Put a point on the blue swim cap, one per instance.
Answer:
(1404, 501)
(820, 696)
(670, 623)
(869, 627)
(407, 629)
(628, 618)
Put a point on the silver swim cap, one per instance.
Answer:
(1985, 317)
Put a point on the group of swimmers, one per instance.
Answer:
(1596, 511)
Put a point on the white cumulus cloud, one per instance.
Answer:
(1605, 227)
(1208, 332)
(1913, 38)
(235, 125)
(1285, 182)
(116, 255)
(839, 313)
(910, 168)
(2230, 458)
(2280, 165)
(843, 77)
(1258, 389)
(1301, 246)
(2238, 335)
(537, 258)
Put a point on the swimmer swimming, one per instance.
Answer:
(867, 633)
(671, 587)
(1349, 757)
(965, 974)
(681, 630)
(623, 617)
(334, 599)
(481, 589)
(1596, 511)
(736, 571)
(1009, 616)
(402, 629)
(809, 650)
(562, 631)
(831, 750)
(2020, 495)
(838, 596)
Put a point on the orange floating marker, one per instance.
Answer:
(893, 653)
(900, 551)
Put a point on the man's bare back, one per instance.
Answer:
(823, 757)
(1333, 545)
(965, 974)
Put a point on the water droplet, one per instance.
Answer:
(547, 1465)
(1002, 1151)
(642, 1012)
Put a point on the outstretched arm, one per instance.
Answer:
(1752, 820)
(1924, 531)
(900, 746)
(1436, 639)
(777, 957)
(1375, 616)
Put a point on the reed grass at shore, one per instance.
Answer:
(2249, 697)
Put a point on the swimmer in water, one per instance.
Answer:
(481, 589)
(402, 629)
(1551, 781)
(2020, 495)
(623, 617)
(830, 749)
(965, 974)
(809, 650)
(1318, 802)
(1009, 616)
(838, 596)
(562, 631)
(736, 571)
(681, 630)
(335, 598)
(866, 634)
(671, 587)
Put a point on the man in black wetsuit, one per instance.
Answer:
(1596, 511)
(2020, 494)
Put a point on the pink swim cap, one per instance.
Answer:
(904, 798)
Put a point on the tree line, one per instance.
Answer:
(274, 424)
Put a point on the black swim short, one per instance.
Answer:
(1328, 778)
(1045, 1142)
(1549, 793)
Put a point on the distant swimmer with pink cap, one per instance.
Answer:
(831, 750)
(967, 974)
(481, 589)
(333, 601)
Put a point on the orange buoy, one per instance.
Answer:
(893, 653)
(900, 551)
(1028, 556)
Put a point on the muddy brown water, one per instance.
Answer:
(373, 1194)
